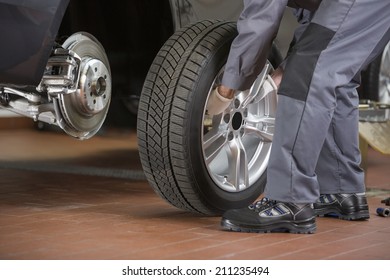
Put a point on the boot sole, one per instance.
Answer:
(306, 227)
(335, 213)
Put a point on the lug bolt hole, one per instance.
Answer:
(237, 103)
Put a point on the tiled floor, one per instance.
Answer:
(52, 207)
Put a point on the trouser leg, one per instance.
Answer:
(338, 168)
(342, 37)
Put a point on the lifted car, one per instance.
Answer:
(67, 84)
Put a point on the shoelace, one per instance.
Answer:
(262, 204)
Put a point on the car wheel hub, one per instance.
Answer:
(93, 94)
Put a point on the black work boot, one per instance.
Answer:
(343, 206)
(271, 216)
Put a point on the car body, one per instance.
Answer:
(28, 30)
(131, 33)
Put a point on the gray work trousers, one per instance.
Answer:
(315, 147)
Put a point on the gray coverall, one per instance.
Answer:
(315, 146)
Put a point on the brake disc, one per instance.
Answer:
(85, 110)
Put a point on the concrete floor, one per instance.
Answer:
(67, 199)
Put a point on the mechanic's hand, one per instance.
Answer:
(277, 76)
(219, 100)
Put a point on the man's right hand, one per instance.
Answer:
(219, 100)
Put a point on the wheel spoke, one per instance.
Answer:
(214, 141)
(237, 158)
(263, 120)
(255, 91)
(265, 136)
(260, 126)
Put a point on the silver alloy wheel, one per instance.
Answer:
(237, 143)
(384, 76)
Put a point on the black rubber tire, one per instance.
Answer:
(170, 114)
(375, 79)
(370, 80)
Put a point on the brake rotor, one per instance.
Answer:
(85, 110)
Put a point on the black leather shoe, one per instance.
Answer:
(271, 216)
(343, 206)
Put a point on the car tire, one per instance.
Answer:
(172, 122)
(376, 78)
